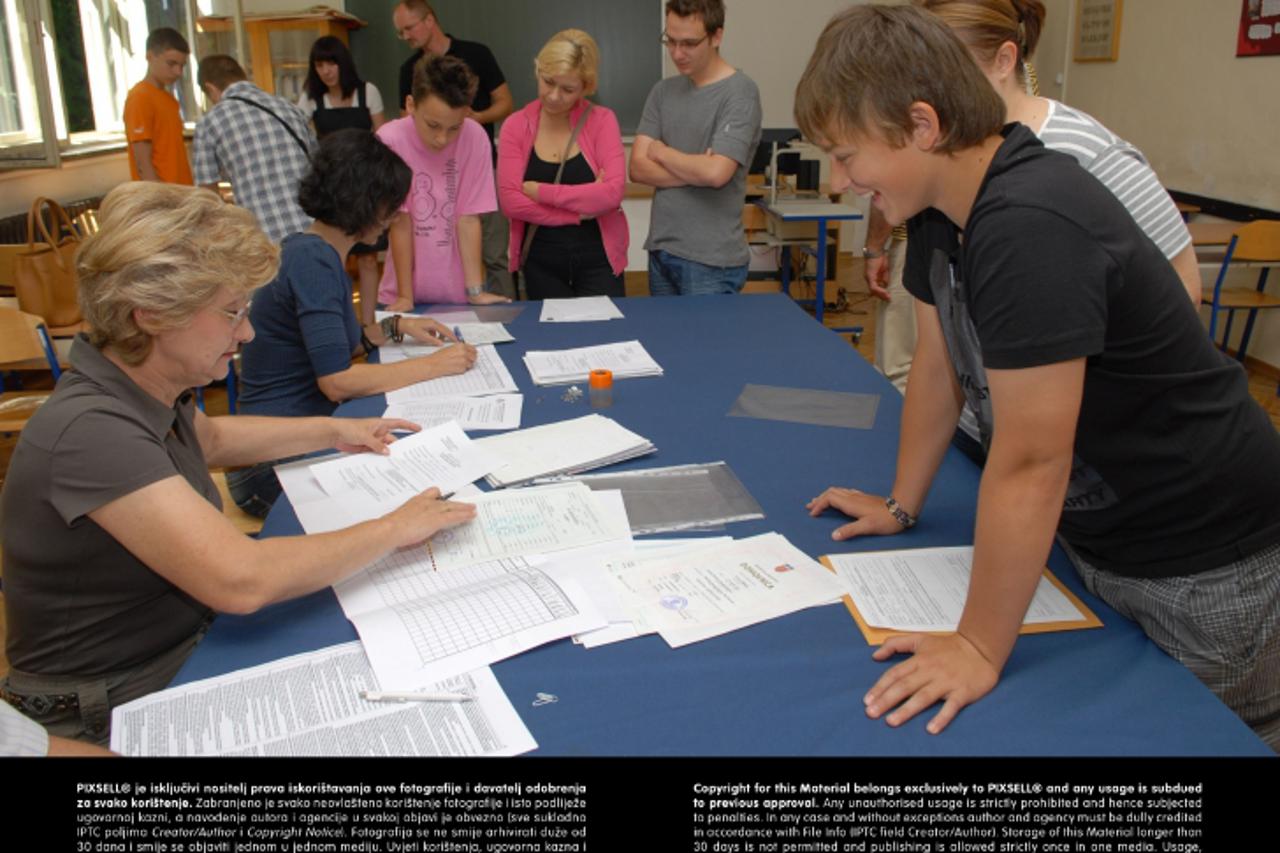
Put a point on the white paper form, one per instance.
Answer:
(487, 376)
(559, 367)
(368, 486)
(714, 591)
(579, 310)
(419, 625)
(519, 522)
(501, 411)
(924, 589)
(310, 705)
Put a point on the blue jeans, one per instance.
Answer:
(673, 276)
(255, 489)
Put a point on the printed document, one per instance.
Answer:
(580, 310)
(720, 589)
(924, 589)
(419, 625)
(519, 522)
(368, 486)
(475, 334)
(501, 411)
(310, 705)
(487, 376)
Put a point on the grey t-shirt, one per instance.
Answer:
(703, 224)
(78, 603)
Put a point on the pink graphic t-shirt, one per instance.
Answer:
(446, 184)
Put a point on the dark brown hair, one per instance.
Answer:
(710, 11)
(872, 63)
(984, 25)
(446, 77)
(220, 70)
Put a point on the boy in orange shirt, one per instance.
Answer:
(152, 120)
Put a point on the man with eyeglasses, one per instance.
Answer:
(416, 23)
(695, 139)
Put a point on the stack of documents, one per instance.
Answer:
(487, 376)
(560, 367)
(581, 310)
(565, 447)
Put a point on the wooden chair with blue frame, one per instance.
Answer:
(1255, 244)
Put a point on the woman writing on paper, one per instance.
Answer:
(116, 555)
(561, 177)
(305, 356)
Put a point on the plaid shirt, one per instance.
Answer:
(257, 155)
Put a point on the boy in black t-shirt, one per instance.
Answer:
(1107, 414)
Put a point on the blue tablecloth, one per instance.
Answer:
(792, 686)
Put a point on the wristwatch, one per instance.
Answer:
(871, 254)
(474, 290)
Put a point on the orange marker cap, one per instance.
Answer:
(601, 379)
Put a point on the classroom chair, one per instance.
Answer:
(1256, 243)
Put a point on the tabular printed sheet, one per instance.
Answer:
(369, 486)
(710, 592)
(419, 625)
(501, 411)
(310, 705)
(487, 376)
(540, 520)
(924, 589)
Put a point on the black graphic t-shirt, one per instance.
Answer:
(1176, 469)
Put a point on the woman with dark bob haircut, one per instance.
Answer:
(305, 358)
(334, 95)
(116, 553)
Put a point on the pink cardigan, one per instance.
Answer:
(601, 144)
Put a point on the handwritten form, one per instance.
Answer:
(310, 705)
(487, 376)
(541, 520)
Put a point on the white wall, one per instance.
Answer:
(1205, 119)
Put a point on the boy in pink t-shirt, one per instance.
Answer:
(435, 239)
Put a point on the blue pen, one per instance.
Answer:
(457, 333)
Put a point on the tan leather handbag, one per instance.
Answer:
(45, 274)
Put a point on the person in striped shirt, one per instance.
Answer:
(1002, 35)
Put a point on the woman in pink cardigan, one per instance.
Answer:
(578, 245)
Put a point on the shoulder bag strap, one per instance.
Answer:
(283, 123)
(533, 228)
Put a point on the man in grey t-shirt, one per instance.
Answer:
(696, 137)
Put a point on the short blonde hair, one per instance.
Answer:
(570, 52)
(167, 249)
